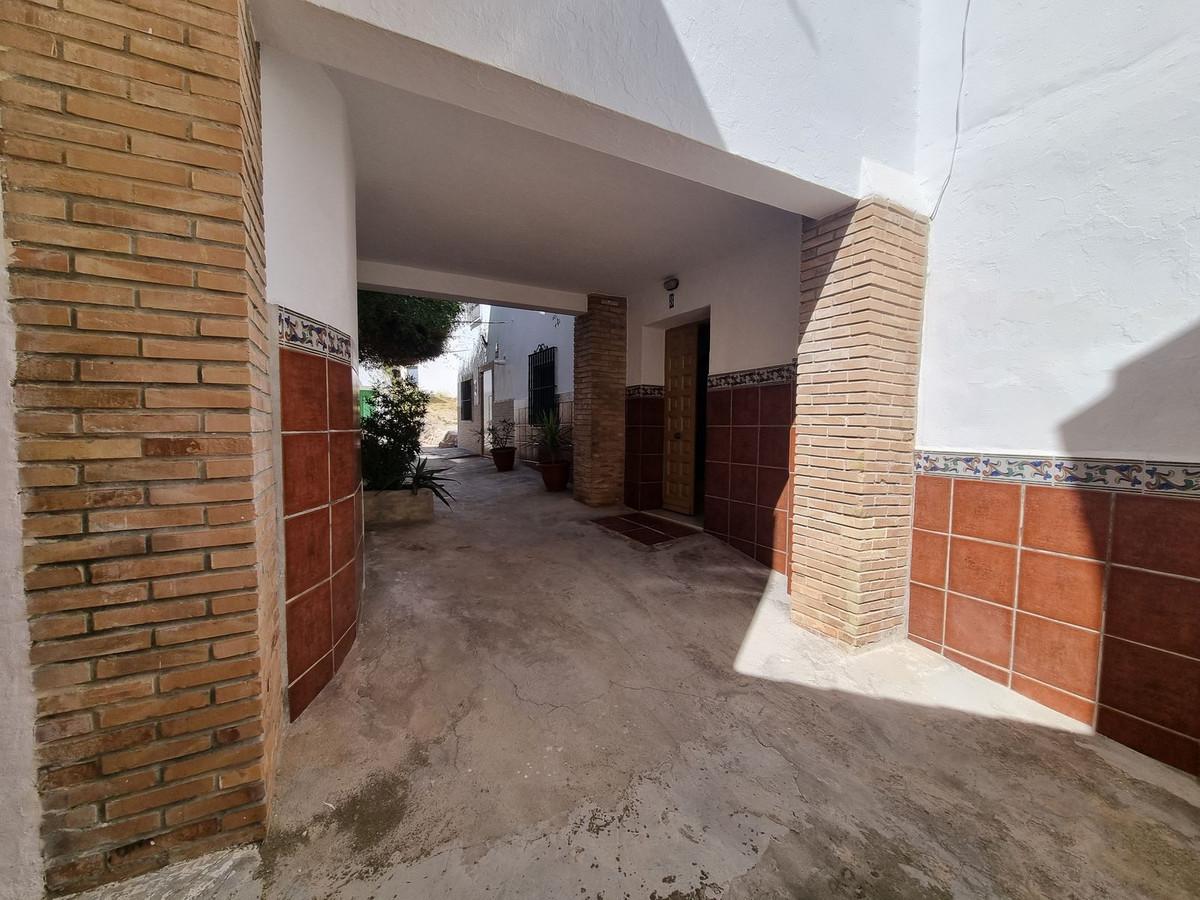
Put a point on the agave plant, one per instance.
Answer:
(421, 477)
(553, 437)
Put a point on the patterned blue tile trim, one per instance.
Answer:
(298, 330)
(1109, 474)
(643, 390)
(785, 374)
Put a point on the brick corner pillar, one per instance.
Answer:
(862, 289)
(599, 427)
(133, 241)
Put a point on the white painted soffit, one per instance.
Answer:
(360, 48)
(374, 275)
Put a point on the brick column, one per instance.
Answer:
(133, 224)
(599, 429)
(862, 286)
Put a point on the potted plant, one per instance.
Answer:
(409, 498)
(553, 440)
(500, 438)
(394, 473)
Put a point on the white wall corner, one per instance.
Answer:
(878, 179)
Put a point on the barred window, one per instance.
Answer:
(542, 386)
(464, 400)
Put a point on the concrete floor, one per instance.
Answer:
(538, 708)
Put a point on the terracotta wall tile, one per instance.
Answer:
(1158, 610)
(1065, 593)
(982, 630)
(305, 689)
(633, 438)
(929, 551)
(342, 648)
(743, 446)
(774, 488)
(306, 539)
(717, 443)
(931, 508)
(1173, 749)
(343, 600)
(309, 633)
(994, 673)
(988, 571)
(1068, 704)
(743, 483)
(771, 531)
(342, 537)
(650, 467)
(303, 405)
(716, 479)
(1057, 654)
(305, 471)
(716, 515)
(926, 612)
(987, 509)
(342, 399)
(344, 463)
(1159, 533)
(745, 405)
(773, 448)
(743, 522)
(719, 409)
(777, 404)
(1070, 590)
(1154, 685)
(1067, 521)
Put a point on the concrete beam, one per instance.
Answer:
(383, 276)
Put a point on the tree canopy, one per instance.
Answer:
(403, 330)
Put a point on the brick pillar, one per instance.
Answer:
(133, 225)
(862, 286)
(599, 429)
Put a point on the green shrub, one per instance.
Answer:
(391, 434)
(402, 330)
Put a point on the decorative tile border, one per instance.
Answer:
(643, 390)
(785, 374)
(1110, 474)
(298, 330)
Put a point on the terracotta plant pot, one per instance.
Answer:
(504, 457)
(554, 475)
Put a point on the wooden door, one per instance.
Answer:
(679, 405)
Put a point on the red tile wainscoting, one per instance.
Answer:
(748, 469)
(323, 523)
(1087, 601)
(644, 447)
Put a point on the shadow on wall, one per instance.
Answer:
(1152, 395)
(1145, 531)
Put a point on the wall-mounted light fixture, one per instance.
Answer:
(671, 285)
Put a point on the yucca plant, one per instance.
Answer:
(553, 437)
(420, 477)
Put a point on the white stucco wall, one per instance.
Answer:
(20, 858)
(308, 172)
(751, 300)
(818, 89)
(1063, 298)
(517, 333)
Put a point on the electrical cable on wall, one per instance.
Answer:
(962, 76)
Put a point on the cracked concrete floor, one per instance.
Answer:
(538, 708)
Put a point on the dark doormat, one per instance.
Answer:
(647, 529)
